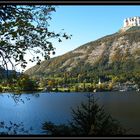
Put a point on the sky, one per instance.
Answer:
(87, 23)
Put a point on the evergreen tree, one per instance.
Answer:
(89, 119)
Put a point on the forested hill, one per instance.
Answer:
(112, 54)
(7, 73)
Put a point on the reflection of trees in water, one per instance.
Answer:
(13, 128)
(18, 98)
(88, 119)
(36, 95)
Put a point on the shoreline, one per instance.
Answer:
(51, 92)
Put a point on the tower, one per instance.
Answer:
(99, 81)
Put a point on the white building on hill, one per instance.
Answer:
(132, 21)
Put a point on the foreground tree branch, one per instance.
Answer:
(26, 28)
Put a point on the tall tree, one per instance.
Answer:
(25, 28)
(89, 119)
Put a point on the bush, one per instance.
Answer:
(26, 84)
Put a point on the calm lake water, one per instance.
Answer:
(34, 109)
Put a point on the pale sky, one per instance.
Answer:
(87, 23)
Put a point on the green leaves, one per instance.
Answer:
(2, 43)
(26, 28)
(14, 34)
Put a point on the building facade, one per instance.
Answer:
(132, 21)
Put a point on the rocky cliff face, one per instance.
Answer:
(121, 47)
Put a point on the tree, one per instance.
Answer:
(110, 86)
(26, 29)
(137, 79)
(89, 119)
(26, 84)
(51, 83)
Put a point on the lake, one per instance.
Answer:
(31, 110)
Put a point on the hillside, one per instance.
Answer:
(114, 54)
(4, 73)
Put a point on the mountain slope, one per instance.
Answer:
(4, 73)
(119, 51)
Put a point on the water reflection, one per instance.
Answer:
(11, 128)
(33, 109)
(18, 98)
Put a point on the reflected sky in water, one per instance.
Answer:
(34, 109)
